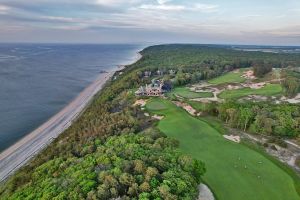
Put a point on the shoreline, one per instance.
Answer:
(18, 154)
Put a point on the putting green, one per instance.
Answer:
(268, 90)
(230, 77)
(234, 172)
(187, 93)
(156, 105)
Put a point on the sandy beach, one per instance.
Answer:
(22, 151)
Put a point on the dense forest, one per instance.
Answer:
(129, 166)
(194, 63)
(262, 68)
(113, 149)
(262, 118)
(291, 82)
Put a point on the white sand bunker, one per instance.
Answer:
(294, 100)
(158, 117)
(140, 102)
(248, 74)
(233, 87)
(186, 107)
(234, 138)
(255, 85)
(205, 193)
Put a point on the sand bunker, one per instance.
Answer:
(294, 100)
(158, 117)
(234, 138)
(205, 193)
(140, 102)
(233, 87)
(255, 85)
(186, 107)
(248, 74)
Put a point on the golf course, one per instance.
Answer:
(188, 94)
(230, 77)
(234, 171)
(268, 90)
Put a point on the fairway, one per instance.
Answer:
(230, 77)
(234, 172)
(187, 93)
(268, 90)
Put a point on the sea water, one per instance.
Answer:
(38, 80)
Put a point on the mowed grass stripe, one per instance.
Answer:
(234, 171)
(230, 77)
(268, 90)
(187, 93)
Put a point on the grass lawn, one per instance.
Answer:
(268, 90)
(229, 77)
(200, 106)
(186, 93)
(234, 171)
(155, 105)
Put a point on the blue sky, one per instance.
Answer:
(151, 21)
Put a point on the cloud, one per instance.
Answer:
(58, 18)
(163, 1)
(178, 17)
(112, 3)
(285, 31)
(4, 9)
(165, 6)
(206, 7)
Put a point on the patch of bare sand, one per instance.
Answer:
(254, 85)
(158, 117)
(140, 102)
(205, 193)
(294, 100)
(249, 74)
(186, 107)
(234, 138)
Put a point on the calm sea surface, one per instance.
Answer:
(38, 80)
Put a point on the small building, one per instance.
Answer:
(159, 72)
(172, 72)
(156, 88)
(147, 74)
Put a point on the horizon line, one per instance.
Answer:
(149, 43)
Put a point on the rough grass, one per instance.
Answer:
(268, 90)
(229, 77)
(234, 171)
(186, 93)
(199, 106)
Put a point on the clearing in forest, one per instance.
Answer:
(234, 171)
(230, 77)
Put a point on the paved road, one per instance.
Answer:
(22, 151)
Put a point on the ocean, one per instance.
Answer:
(38, 80)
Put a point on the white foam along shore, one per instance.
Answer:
(21, 152)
